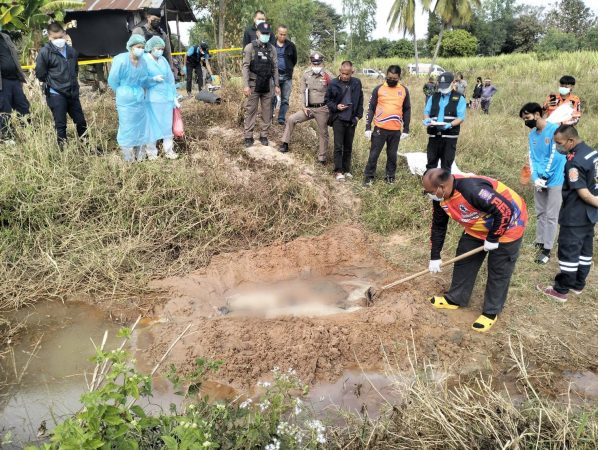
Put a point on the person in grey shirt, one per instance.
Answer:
(461, 84)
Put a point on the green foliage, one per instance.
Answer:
(360, 18)
(109, 418)
(557, 41)
(590, 40)
(384, 48)
(527, 30)
(570, 16)
(457, 43)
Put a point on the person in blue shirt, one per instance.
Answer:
(197, 56)
(286, 53)
(56, 67)
(443, 116)
(161, 101)
(547, 166)
(128, 78)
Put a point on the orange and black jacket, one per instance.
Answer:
(484, 207)
(390, 108)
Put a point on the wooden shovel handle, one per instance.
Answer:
(423, 272)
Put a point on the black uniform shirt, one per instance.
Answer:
(7, 63)
(581, 171)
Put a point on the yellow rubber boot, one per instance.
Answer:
(439, 302)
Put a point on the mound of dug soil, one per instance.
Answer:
(299, 305)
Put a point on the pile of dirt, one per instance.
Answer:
(317, 347)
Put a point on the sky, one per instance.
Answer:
(383, 9)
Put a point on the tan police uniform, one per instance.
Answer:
(255, 98)
(312, 89)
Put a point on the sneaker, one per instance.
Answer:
(171, 155)
(348, 176)
(368, 182)
(264, 141)
(389, 180)
(543, 257)
(538, 246)
(284, 148)
(339, 176)
(576, 291)
(549, 291)
(248, 142)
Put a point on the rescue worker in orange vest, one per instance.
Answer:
(493, 216)
(390, 111)
(553, 101)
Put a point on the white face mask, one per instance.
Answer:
(434, 197)
(316, 69)
(138, 52)
(157, 53)
(59, 43)
(564, 90)
(446, 91)
(258, 21)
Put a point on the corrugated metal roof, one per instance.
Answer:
(181, 6)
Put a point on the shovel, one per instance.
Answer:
(372, 293)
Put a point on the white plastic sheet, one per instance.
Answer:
(417, 163)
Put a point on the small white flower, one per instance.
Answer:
(264, 384)
(264, 405)
(246, 404)
(298, 406)
(220, 406)
(207, 443)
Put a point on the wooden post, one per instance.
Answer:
(178, 32)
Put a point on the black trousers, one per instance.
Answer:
(501, 263)
(575, 257)
(344, 132)
(60, 105)
(198, 77)
(381, 137)
(12, 99)
(441, 149)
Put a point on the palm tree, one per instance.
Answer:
(450, 12)
(402, 17)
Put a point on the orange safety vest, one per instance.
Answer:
(573, 99)
(478, 223)
(389, 110)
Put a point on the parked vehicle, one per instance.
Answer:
(372, 73)
(424, 69)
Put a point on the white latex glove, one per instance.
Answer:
(158, 78)
(404, 136)
(368, 134)
(177, 104)
(434, 265)
(489, 246)
(540, 183)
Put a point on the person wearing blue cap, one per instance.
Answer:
(128, 78)
(161, 100)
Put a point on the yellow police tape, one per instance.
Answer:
(106, 60)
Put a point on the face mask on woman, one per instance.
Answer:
(264, 38)
(138, 52)
(157, 52)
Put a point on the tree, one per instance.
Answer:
(402, 17)
(526, 32)
(590, 41)
(571, 16)
(360, 18)
(403, 48)
(558, 41)
(451, 12)
(327, 33)
(457, 43)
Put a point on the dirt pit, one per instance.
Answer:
(298, 305)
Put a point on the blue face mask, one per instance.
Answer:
(157, 53)
(138, 52)
(265, 38)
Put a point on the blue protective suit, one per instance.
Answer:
(160, 100)
(129, 83)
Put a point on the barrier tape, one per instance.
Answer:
(107, 60)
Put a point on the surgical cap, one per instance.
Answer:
(154, 42)
(134, 40)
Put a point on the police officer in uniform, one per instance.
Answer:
(151, 27)
(260, 66)
(314, 83)
(196, 56)
(578, 215)
(443, 115)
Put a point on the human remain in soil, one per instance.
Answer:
(493, 216)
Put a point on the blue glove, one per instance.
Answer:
(447, 126)
(427, 122)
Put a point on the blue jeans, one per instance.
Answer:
(286, 84)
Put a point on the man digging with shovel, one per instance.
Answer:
(494, 218)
